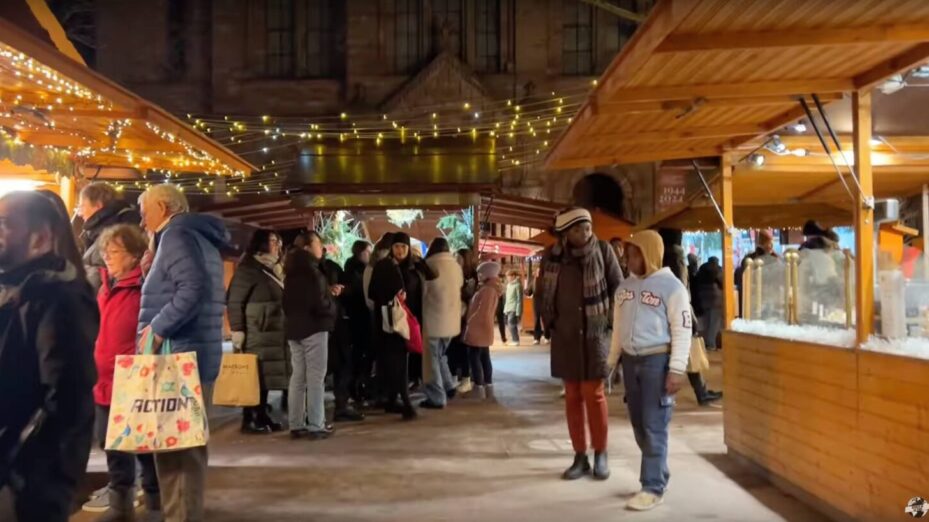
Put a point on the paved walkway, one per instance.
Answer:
(480, 462)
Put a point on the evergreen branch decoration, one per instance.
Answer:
(403, 217)
(339, 231)
(458, 229)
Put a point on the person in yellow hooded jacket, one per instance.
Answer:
(652, 326)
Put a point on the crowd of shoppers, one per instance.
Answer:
(157, 275)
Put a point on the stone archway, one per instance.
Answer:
(601, 191)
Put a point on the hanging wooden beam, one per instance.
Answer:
(613, 159)
(864, 216)
(910, 59)
(684, 133)
(636, 107)
(616, 10)
(683, 42)
(733, 90)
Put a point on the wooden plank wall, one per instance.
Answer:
(849, 428)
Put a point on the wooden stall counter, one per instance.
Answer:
(845, 430)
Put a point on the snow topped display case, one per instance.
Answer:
(805, 295)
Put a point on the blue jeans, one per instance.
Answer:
(650, 413)
(512, 323)
(307, 399)
(441, 380)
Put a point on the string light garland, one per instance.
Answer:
(520, 133)
(37, 103)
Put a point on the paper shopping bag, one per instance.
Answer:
(157, 404)
(698, 362)
(237, 384)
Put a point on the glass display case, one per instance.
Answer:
(807, 287)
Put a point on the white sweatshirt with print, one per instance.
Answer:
(651, 313)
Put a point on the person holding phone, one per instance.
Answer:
(309, 317)
(652, 326)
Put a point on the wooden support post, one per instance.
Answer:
(729, 294)
(864, 215)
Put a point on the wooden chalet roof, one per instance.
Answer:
(48, 98)
(702, 77)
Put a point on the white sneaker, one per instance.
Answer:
(536, 342)
(464, 386)
(513, 343)
(480, 393)
(644, 501)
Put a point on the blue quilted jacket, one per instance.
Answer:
(183, 296)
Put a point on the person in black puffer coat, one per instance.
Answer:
(397, 273)
(48, 324)
(100, 207)
(256, 318)
(359, 319)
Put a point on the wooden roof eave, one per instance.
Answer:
(80, 73)
(657, 35)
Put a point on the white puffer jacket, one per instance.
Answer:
(442, 297)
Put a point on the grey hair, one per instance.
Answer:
(169, 194)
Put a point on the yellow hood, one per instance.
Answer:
(652, 247)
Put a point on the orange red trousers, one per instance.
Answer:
(585, 407)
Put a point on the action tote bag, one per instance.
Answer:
(157, 403)
(237, 384)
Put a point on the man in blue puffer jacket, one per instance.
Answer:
(183, 299)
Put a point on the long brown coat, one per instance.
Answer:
(574, 357)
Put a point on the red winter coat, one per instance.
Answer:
(119, 321)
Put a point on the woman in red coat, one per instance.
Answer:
(119, 299)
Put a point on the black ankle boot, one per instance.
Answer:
(601, 467)
(577, 470)
(265, 419)
(251, 425)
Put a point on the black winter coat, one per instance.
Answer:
(309, 307)
(353, 296)
(255, 303)
(48, 325)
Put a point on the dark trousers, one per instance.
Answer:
(458, 361)
(501, 324)
(540, 329)
(121, 466)
(260, 412)
(344, 364)
(395, 362)
(482, 371)
(362, 356)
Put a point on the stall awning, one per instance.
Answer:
(701, 78)
(504, 247)
(49, 99)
